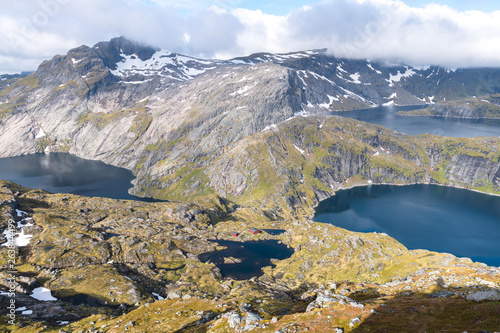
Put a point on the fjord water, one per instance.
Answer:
(454, 127)
(431, 217)
(66, 173)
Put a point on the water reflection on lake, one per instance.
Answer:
(66, 173)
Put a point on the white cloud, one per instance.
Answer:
(390, 30)
(262, 32)
(33, 30)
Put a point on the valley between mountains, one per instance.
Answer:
(230, 145)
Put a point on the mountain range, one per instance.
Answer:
(246, 129)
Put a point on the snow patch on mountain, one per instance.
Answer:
(327, 105)
(163, 63)
(355, 78)
(321, 77)
(40, 134)
(373, 69)
(396, 78)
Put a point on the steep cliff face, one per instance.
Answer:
(305, 159)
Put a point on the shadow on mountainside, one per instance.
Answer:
(439, 311)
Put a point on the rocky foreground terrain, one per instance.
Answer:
(233, 145)
(108, 262)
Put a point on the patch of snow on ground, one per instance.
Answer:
(20, 213)
(327, 105)
(350, 93)
(245, 79)
(269, 127)
(135, 82)
(300, 77)
(158, 296)
(355, 78)
(390, 103)
(132, 64)
(243, 90)
(40, 134)
(321, 77)
(396, 78)
(43, 294)
(340, 69)
(302, 113)
(75, 61)
(22, 239)
(422, 68)
(373, 69)
(395, 95)
(300, 150)
(18, 238)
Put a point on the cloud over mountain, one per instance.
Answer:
(34, 30)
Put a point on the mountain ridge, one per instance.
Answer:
(189, 136)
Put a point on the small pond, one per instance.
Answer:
(250, 257)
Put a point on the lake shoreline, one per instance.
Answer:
(403, 113)
(462, 223)
(409, 184)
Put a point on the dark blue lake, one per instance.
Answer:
(436, 218)
(66, 173)
(454, 127)
(252, 257)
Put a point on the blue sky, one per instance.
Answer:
(453, 33)
(461, 5)
(283, 7)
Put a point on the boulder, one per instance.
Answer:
(173, 294)
(233, 319)
(490, 295)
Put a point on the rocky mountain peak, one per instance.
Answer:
(113, 52)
